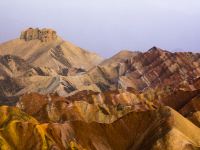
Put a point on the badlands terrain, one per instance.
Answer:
(57, 96)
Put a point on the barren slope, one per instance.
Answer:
(56, 54)
(157, 130)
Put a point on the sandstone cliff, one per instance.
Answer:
(44, 35)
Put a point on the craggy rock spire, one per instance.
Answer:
(44, 35)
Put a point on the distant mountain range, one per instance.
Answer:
(55, 95)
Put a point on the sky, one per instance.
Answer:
(108, 26)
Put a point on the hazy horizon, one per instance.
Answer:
(107, 27)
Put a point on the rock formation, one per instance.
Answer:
(86, 106)
(44, 35)
(160, 129)
(60, 96)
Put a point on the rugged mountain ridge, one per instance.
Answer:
(106, 76)
(60, 96)
(150, 69)
(53, 53)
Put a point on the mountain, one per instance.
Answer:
(55, 96)
(49, 50)
(150, 69)
(86, 106)
(137, 70)
(39, 56)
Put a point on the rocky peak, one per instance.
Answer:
(156, 50)
(44, 34)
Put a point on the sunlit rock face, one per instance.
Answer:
(155, 129)
(43, 35)
(87, 106)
